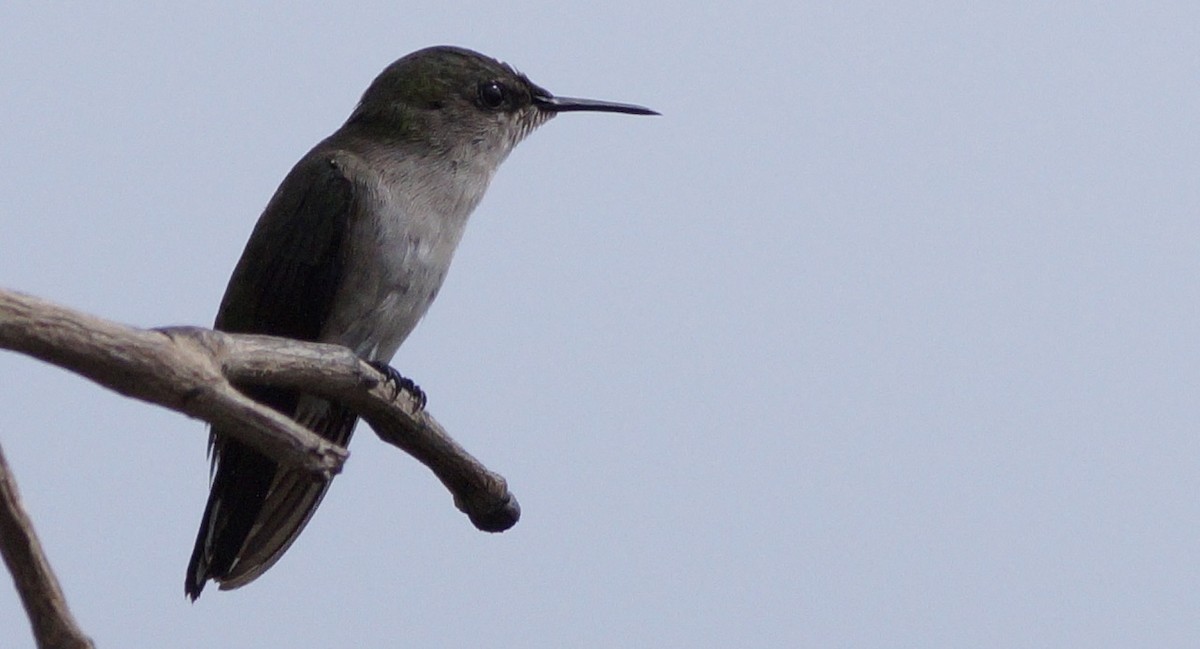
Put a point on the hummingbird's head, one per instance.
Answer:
(459, 101)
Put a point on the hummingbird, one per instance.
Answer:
(351, 250)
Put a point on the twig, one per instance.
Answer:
(193, 370)
(147, 365)
(53, 624)
(335, 372)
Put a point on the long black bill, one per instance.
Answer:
(568, 104)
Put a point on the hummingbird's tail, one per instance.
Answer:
(239, 486)
(255, 508)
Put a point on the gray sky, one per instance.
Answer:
(884, 335)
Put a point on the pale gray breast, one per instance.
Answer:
(398, 253)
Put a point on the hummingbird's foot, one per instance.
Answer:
(401, 382)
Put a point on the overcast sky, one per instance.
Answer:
(885, 334)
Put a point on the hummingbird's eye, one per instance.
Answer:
(492, 94)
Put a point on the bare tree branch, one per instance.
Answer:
(194, 371)
(53, 624)
(148, 365)
(335, 372)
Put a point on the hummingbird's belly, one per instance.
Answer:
(388, 290)
(396, 258)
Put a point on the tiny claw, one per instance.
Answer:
(401, 382)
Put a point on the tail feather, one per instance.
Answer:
(289, 505)
(256, 509)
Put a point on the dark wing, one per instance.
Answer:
(284, 285)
